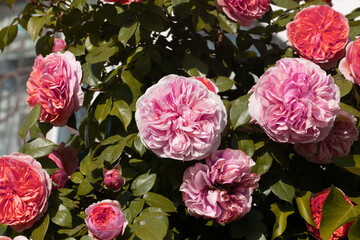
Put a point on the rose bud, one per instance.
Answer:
(113, 178)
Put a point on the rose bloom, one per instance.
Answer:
(20, 237)
(55, 83)
(350, 65)
(295, 101)
(59, 44)
(316, 204)
(336, 144)
(25, 189)
(122, 2)
(66, 159)
(180, 118)
(244, 12)
(222, 188)
(105, 220)
(113, 179)
(319, 33)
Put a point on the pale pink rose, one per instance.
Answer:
(25, 189)
(55, 83)
(105, 220)
(122, 2)
(336, 144)
(208, 83)
(319, 33)
(244, 12)
(350, 65)
(20, 237)
(113, 178)
(316, 204)
(221, 189)
(66, 159)
(295, 101)
(180, 118)
(59, 44)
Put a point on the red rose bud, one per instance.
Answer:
(113, 178)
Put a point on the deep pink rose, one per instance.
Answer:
(295, 101)
(55, 83)
(208, 83)
(59, 44)
(336, 144)
(221, 189)
(350, 65)
(25, 189)
(122, 2)
(316, 204)
(319, 33)
(113, 178)
(180, 118)
(66, 159)
(244, 12)
(105, 220)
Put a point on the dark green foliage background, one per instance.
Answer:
(141, 43)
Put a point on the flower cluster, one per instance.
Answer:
(180, 118)
(222, 188)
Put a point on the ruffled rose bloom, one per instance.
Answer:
(55, 83)
(66, 159)
(244, 12)
(59, 44)
(113, 178)
(25, 189)
(319, 33)
(222, 188)
(316, 204)
(180, 118)
(295, 101)
(208, 83)
(122, 2)
(20, 237)
(350, 64)
(336, 144)
(105, 220)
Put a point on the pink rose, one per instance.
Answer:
(295, 101)
(113, 178)
(105, 220)
(180, 118)
(208, 83)
(316, 204)
(20, 237)
(122, 2)
(336, 144)
(349, 65)
(59, 44)
(66, 159)
(25, 189)
(55, 83)
(319, 33)
(244, 12)
(221, 189)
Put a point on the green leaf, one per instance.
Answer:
(39, 147)
(34, 26)
(63, 217)
(263, 163)
(92, 74)
(151, 21)
(8, 35)
(336, 211)
(127, 30)
(102, 109)
(239, 114)
(354, 32)
(157, 200)
(9, 3)
(72, 232)
(195, 66)
(135, 207)
(101, 54)
(134, 85)
(31, 119)
(3, 229)
(246, 144)
(303, 204)
(152, 213)
(77, 177)
(85, 187)
(113, 152)
(350, 109)
(48, 164)
(143, 183)
(345, 86)
(354, 232)
(227, 25)
(281, 213)
(224, 83)
(283, 190)
(122, 110)
(154, 229)
(41, 228)
(286, 4)
(139, 146)
(79, 4)
(349, 162)
(111, 140)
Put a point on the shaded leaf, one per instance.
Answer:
(62, 217)
(227, 25)
(303, 204)
(31, 119)
(281, 213)
(349, 109)
(157, 200)
(224, 83)
(40, 229)
(195, 66)
(354, 232)
(239, 114)
(103, 109)
(122, 110)
(139, 146)
(127, 30)
(263, 163)
(39, 147)
(286, 4)
(283, 190)
(34, 26)
(345, 86)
